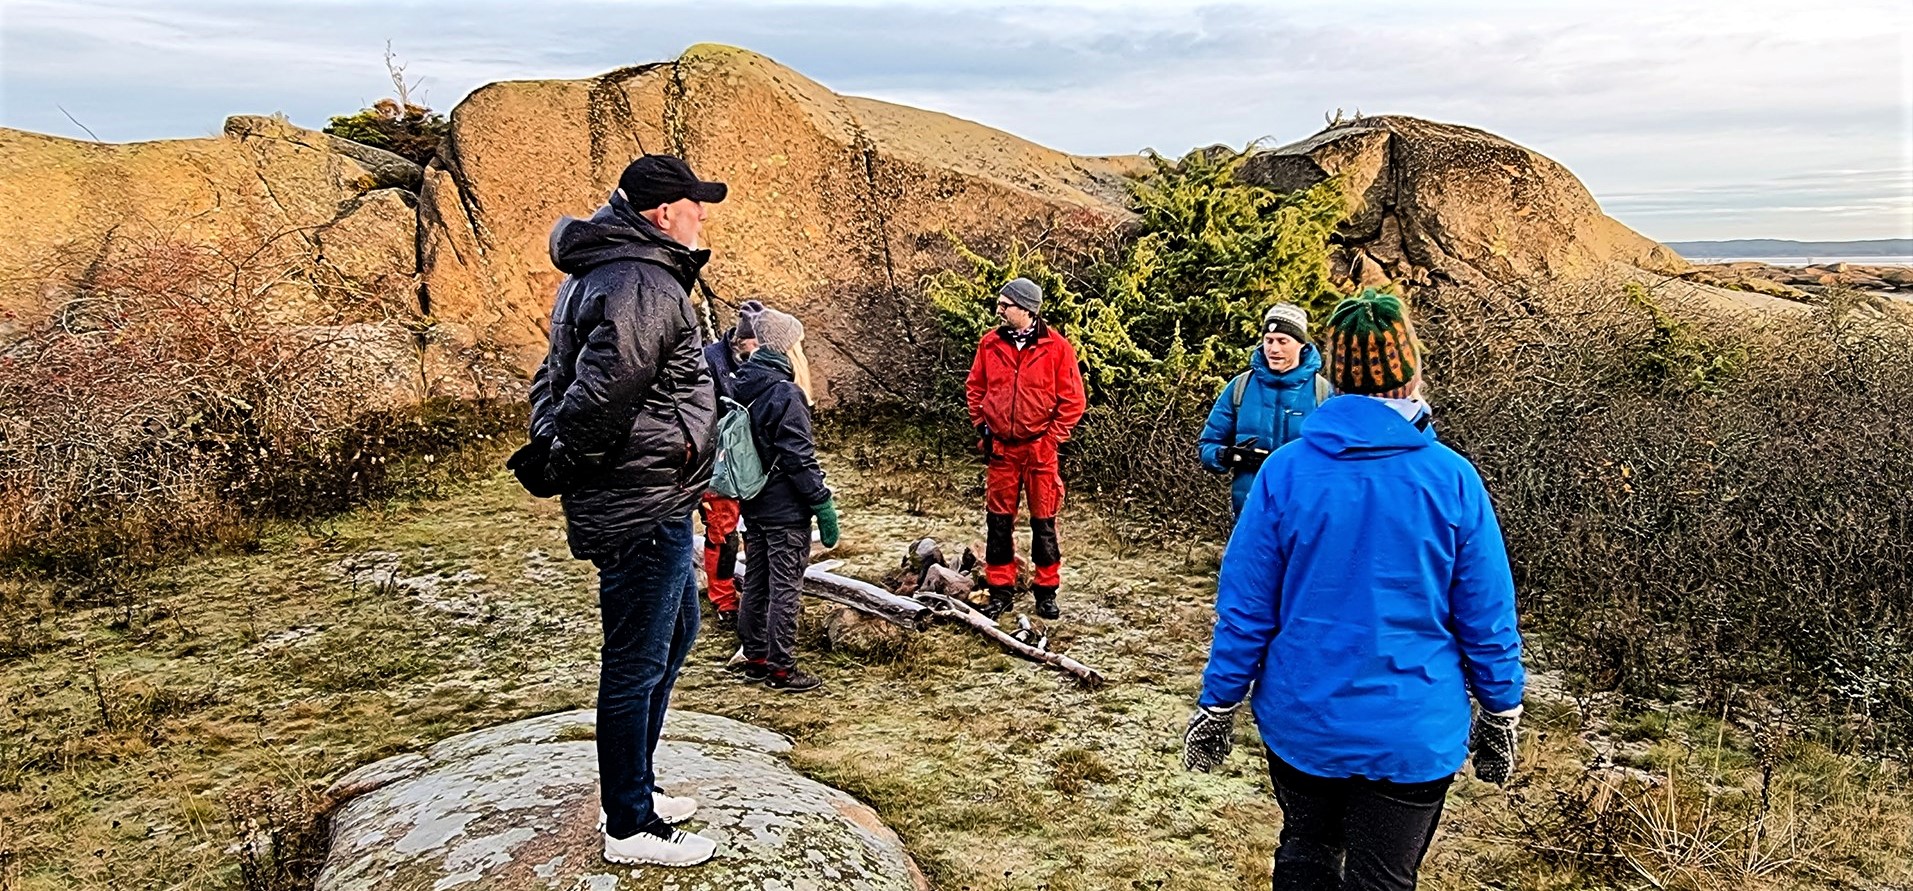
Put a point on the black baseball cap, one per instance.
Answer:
(661, 179)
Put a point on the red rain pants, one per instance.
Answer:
(1016, 470)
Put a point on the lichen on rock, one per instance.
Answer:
(515, 807)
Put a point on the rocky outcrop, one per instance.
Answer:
(838, 205)
(1803, 282)
(276, 194)
(325, 229)
(514, 808)
(1440, 203)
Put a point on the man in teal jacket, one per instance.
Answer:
(1263, 408)
(1366, 596)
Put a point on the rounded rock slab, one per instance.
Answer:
(515, 807)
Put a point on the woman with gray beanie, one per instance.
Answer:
(774, 387)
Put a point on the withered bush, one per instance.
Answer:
(281, 836)
(181, 392)
(1692, 497)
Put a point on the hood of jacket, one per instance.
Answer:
(1352, 427)
(616, 232)
(762, 371)
(1303, 373)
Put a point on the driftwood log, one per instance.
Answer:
(959, 611)
(944, 594)
(820, 581)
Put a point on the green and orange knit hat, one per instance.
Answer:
(1371, 346)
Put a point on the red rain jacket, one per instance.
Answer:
(1025, 394)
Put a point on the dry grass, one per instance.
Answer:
(236, 680)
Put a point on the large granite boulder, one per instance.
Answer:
(1440, 203)
(838, 205)
(514, 807)
(328, 212)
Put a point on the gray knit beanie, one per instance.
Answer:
(778, 331)
(1023, 293)
(1288, 319)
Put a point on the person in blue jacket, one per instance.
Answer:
(1366, 596)
(1263, 408)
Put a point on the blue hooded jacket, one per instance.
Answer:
(1367, 595)
(1273, 408)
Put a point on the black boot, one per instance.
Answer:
(1046, 602)
(1001, 601)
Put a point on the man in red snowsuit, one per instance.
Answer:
(1025, 395)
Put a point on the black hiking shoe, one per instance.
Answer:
(792, 680)
(1001, 601)
(750, 671)
(1046, 603)
(727, 619)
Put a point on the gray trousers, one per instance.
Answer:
(774, 562)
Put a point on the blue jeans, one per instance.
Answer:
(647, 600)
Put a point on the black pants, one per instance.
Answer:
(774, 562)
(1351, 833)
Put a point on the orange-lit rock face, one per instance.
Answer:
(838, 206)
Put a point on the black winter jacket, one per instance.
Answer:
(723, 361)
(780, 425)
(624, 391)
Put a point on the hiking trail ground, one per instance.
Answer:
(130, 728)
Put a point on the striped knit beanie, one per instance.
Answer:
(1371, 346)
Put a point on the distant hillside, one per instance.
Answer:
(1780, 247)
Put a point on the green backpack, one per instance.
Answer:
(739, 472)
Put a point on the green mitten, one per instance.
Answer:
(826, 514)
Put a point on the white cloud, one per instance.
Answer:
(1652, 103)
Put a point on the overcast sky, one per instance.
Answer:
(1688, 120)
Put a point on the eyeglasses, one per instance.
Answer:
(1004, 304)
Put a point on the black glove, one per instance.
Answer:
(985, 443)
(1243, 458)
(1492, 740)
(1209, 738)
(531, 464)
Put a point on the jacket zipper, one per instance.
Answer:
(1016, 381)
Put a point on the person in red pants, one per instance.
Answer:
(719, 514)
(1025, 395)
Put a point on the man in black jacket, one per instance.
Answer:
(624, 398)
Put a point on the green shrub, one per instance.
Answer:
(1159, 324)
(410, 131)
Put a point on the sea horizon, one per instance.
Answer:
(1885, 260)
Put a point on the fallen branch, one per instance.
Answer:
(944, 606)
(864, 597)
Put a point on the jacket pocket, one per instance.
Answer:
(687, 451)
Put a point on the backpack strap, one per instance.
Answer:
(1323, 390)
(1236, 386)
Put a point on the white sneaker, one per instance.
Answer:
(672, 809)
(681, 849)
